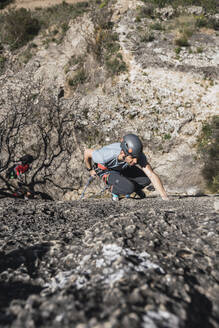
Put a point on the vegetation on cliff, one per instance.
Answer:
(209, 5)
(208, 145)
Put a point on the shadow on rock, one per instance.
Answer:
(27, 256)
(34, 195)
(16, 290)
(199, 310)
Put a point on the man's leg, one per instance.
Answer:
(136, 176)
(120, 184)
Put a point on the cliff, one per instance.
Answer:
(102, 69)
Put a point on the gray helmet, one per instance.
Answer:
(131, 145)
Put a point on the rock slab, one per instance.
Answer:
(97, 263)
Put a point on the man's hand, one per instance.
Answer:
(93, 173)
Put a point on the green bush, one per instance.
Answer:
(202, 21)
(143, 12)
(182, 42)
(74, 60)
(103, 4)
(60, 14)
(116, 66)
(208, 5)
(156, 26)
(64, 27)
(19, 28)
(167, 136)
(4, 3)
(159, 3)
(208, 147)
(199, 50)
(178, 50)
(106, 43)
(2, 63)
(79, 78)
(147, 37)
(104, 46)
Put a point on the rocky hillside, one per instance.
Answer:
(91, 264)
(105, 68)
(32, 4)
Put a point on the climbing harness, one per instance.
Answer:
(99, 169)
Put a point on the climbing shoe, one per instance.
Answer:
(140, 193)
(150, 188)
(115, 197)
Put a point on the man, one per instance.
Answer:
(116, 165)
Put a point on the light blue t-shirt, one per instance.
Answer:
(108, 156)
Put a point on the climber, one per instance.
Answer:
(117, 164)
(16, 175)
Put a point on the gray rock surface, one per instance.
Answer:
(100, 264)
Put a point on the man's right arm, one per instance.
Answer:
(88, 160)
(156, 181)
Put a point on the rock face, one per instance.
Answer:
(99, 264)
(164, 96)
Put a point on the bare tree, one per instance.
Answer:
(42, 126)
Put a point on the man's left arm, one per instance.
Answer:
(156, 181)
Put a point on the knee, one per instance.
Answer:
(146, 182)
(122, 185)
(130, 188)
